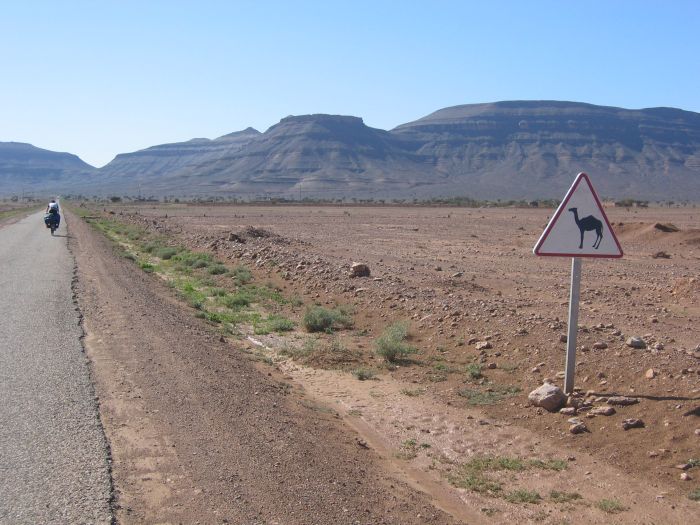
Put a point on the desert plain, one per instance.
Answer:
(486, 322)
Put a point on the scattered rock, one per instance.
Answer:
(636, 342)
(549, 397)
(457, 274)
(492, 366)
(578, 428)
(684, 466)
(650, 374)
(600, 345)
(233, 237)
(483, 345)
(666, 228)
(563, 338)
(602, 411)
(685, 476)
(632, 423)
(661, 255)
(359, 270)
(575, 402)
(622, 401)
(362, 443)
(568, 411)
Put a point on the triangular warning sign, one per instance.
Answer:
(579, 227)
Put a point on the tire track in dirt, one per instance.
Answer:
(198, 433)
(387, 418)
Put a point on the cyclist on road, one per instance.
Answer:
(52, 207)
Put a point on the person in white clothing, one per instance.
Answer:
(52, 207)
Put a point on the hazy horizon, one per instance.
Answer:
(96, 80)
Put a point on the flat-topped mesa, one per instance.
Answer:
(540, 109)
(322, 118)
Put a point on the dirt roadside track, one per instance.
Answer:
(199, 434)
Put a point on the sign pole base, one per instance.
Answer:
(573, 325)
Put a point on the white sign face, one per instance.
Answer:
(579, 227)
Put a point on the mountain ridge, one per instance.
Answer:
(507, 150)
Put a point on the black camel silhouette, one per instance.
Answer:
(588, 224)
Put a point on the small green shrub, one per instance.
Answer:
(242, 275)
(363, 374)
(610, 506)
(564, 497)
(694, 495)
(413, 393)
(392, 346)
(296, 301)
(274, 323)
(165, 253)
(217, 269)
(152, 247)
(490, 396)
(237, 300)
(318, 319)
(217, 292)
(193, 259)
(474, 371)
(523, 496)
(549, 464)
(277, 323)
(147, 267)
(475, 482)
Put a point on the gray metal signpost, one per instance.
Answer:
(564, 236)
(573, 325)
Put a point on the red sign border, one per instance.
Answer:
(560, 209)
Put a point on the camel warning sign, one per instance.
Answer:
(579, 227)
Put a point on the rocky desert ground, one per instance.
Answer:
(485, 324)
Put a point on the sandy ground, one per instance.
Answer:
(199, 435)
(464, 276)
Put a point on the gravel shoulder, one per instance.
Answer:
(199, 433)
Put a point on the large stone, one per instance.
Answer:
(359, 270)
(632, 423)
(636, 342)
(578, 428)
(549, 397)
(622, 401)
(602, 411)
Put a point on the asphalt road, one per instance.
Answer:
(53, 453)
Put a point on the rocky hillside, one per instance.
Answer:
(25, 168)
(534, 148)
(503, 150)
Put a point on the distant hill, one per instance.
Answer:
(502, 150)
(26, 168)
(534, 148)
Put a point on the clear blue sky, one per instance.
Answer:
(97, 78)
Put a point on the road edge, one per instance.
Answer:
(68, 217)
